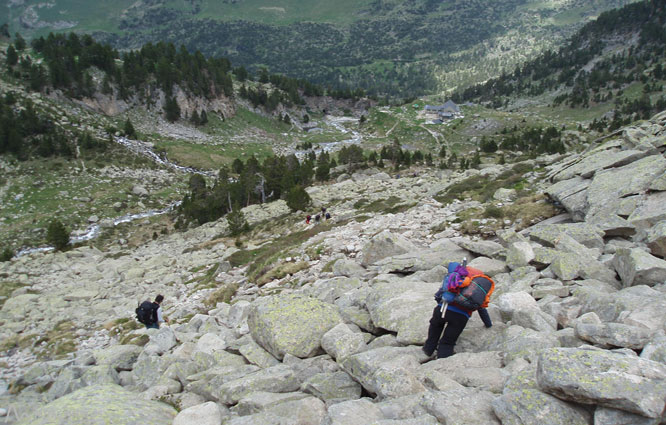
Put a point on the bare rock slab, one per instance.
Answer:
(102, 405)
(604, 378)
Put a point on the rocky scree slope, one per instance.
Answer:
(579, 313)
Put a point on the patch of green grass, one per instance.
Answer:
(482, 188)
(222, 294)
(6, 289)
(261, 260)
(57, 342)
(391, 205)
(280, 271)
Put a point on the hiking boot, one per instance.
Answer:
(430, 355)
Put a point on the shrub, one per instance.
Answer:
(493, 211)
(237, 222)
(298, 199)
(7, 254)
(57, 235)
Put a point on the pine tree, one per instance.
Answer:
(172, 110)
(57, 235)
(128, 129)
(194, 119)
(203, 118)
(237, 222)
(298, 199)
(12, 56)
(19, 42)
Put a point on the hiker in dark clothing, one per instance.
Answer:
(450, 317)
(150, 314)
(317, 218)
(328, 215)
(307, 219)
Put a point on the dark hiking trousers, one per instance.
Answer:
(455, 323)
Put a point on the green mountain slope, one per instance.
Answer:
(395, 47)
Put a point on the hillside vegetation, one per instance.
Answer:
(395, 47)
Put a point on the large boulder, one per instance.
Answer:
(387, 372)
(353, 412)
(604, 378)
(304, 411)
(613, 184)
(549, 235)
(609, 335)
(649, 212)
(341, 341)
(478, 370)
(385, 244)
(403, 306)
(208, 413)
(461, 406)
(332, 387)
(291, 323)
(656, 239)
(121, 357)
(101, 405)
(572, 195)
(637, 267)
(276, 379)
(533, 407)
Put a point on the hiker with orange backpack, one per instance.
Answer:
(464, 290)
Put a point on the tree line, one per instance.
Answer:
(563, 69)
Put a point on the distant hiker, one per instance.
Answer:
(463, 291)
(150, 313)
(307, 219)
(328, 215)
(317, 218)
(323, 211)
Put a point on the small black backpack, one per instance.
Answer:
(146, 313)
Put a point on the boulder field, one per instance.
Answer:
(579, 311)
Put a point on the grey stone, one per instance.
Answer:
(387, 372)
(650, 212)
(509, 303)
(208, 382)
(637, 267)
(587, 235)
(305, 411)
(353, 412)
(655, 350)
(403, 306)
(604, 378)
(161, 342)
(101, 405)
(332, 387)
(100, 375)
(656, 239)
(477, 370)
(277, 379)
(489, 266)
(291, 324)
(349, 268)
(608, 416)
(208, 413)
(616, 183)
(533, 407)
(121, 357)
(257, 355)
(572, 194)
(259, 401)
(340, 342)
(534, 318)
(519, 254)
(484, 248)
(385, 244)
(461, 407)
(609, 335)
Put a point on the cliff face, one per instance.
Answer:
(333, 334)
(112, 105)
